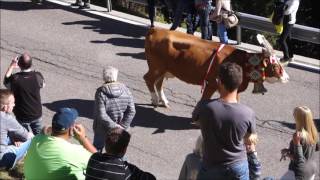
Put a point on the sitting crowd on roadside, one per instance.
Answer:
(226, 148)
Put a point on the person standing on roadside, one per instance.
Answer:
(204, 7)
(289, 19)
(114, 107)
(222, 6)
(224, 122)
(26, 86)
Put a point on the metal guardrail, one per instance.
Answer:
(258, 23)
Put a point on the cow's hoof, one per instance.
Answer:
(154, 102)
(164, 104)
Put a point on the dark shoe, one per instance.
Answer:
(286, 60)
(75, 4)
(84, 7)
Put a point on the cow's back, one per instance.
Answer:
(185, 56)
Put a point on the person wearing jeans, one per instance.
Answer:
(192, 18)
(26, 86)
(235, 171)
(224, 122)
(35, 125)
(14, 153)
(14, 139)
(221, 7)
(204, 7)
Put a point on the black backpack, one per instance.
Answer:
(278, 12)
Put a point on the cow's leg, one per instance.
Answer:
(159, 86)
(209, 90)
(150, 78)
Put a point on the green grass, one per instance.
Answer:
(15, 173)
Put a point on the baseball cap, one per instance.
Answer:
(64, 118)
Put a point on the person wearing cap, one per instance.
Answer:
(53, 156)
(26, 86)
(114, 107)
(14, 139)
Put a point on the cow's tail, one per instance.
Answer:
(147, 43)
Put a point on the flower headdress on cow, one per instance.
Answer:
(257, 66)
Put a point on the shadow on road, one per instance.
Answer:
(140, 55)
(146, 117)
(124, 42)
(23, 6)
(104, 25)
(84, 107)
(293, 125)
(150, 118)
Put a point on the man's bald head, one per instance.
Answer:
(25, 61)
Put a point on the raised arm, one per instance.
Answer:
(9, 71)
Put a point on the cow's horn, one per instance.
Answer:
(263, 41)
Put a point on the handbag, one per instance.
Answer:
(230, 19)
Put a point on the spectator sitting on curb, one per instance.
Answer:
(191, 164)
(14, 139)
(26, 86)
(110, 165)
(114, 107)
(53, 157)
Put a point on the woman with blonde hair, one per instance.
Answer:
(303, 145)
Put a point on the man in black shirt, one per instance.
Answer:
(111, 165)
(26, 86)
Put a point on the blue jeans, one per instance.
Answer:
(35, 126)
(222, 33)
(14, 154)
(205, 24)
(237, 171)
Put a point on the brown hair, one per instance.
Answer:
(4, 96)
(117, 141)
(230, 75)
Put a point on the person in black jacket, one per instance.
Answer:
(110, 165)
(26, 86)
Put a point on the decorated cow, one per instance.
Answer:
(196, 61)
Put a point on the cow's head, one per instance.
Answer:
(265, 66)
(274, 71)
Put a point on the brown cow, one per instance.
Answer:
(188, 57)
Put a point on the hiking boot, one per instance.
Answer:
(286, 60)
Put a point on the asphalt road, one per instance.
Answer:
(71, 47)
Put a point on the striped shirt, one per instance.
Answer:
(108, 167)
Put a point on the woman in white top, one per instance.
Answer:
(221, 6)
(289, 20)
